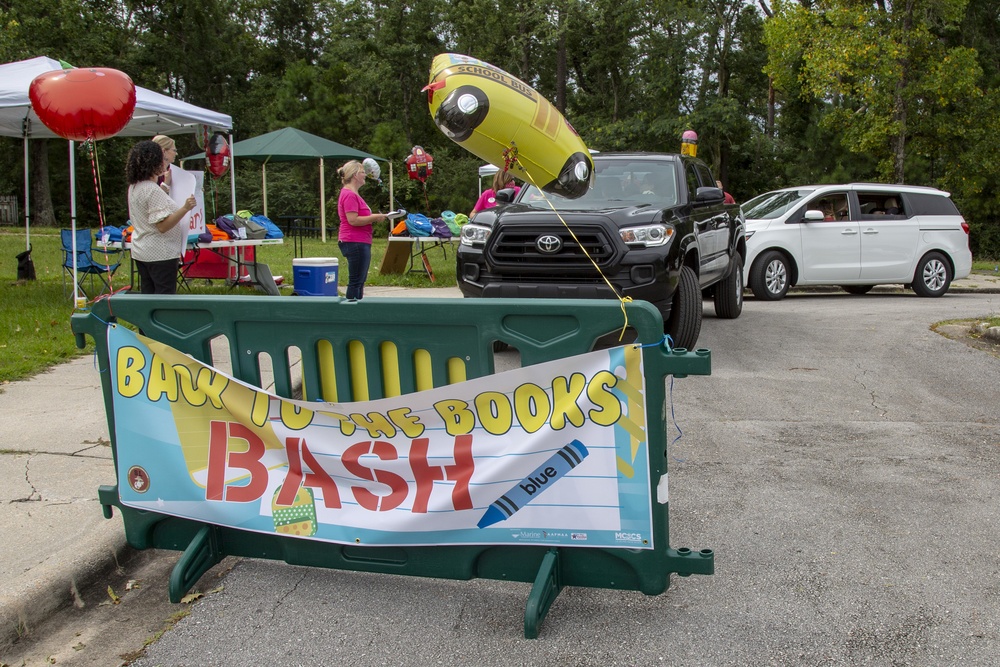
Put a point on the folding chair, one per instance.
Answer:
(100, 265)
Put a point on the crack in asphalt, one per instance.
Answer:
(281, 600)
(36, 452)
(34, 496)
(883, 413)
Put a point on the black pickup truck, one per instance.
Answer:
(652, 227)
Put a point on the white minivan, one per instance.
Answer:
(855, 236)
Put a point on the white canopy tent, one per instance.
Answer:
(484, 171)
(154, 114)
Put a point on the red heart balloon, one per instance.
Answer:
(83, 103)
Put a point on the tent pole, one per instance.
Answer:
(322, 200)
(263, 182)
(78, 300)
(232, 174)
(27, 197)
(392, 199)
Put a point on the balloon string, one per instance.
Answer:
(95, 170)
(427, 201)
(622, 300)
(215, 193)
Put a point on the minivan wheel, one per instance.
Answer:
(857, 289)
(729, 292)
(769, 277)
(685, 313)
(933, 275)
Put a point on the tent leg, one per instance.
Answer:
(322, 200)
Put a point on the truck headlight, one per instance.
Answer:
(648, 236)
(475, 234)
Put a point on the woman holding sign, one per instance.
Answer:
(158, 239)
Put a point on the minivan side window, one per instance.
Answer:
(882, 205)
(833, 205)
(928, 204)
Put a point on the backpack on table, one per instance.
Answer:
(418, 225)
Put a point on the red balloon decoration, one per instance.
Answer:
(202, 136)
(218, 154)
(419, 164)
(83, 104)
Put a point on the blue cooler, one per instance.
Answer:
(315, 276)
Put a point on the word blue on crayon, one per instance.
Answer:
(528, 488)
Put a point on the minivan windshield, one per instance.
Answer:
(774, 204)
(617, 184)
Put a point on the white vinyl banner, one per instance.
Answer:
(552, 454)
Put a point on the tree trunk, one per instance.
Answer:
(769, 128)
(899, 141)
(41, 211)
(561, 74)
(899, 101)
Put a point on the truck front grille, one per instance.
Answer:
(514, 247)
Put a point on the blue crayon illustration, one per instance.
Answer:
(528, 488)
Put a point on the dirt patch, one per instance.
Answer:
(114, 618)
(967, 332)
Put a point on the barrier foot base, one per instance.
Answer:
(199, 557)
(544, 591)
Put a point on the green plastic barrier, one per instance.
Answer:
(324, 348)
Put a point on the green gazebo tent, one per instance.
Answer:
(290, 144)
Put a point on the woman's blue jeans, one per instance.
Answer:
(359, 258)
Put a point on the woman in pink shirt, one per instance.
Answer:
(501, 180)
(355, 235)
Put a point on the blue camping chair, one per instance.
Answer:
(100, 265)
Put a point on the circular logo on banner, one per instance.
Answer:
(138, 479)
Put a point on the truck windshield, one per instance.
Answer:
(774, 204)
(617, 184)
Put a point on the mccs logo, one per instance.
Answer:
(628, 537)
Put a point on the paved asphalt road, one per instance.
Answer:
(842, 459)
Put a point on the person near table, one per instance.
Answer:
(354, 237)
(169, 147)
(157, 237)
(501, 180)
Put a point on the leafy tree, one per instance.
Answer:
(884, 70)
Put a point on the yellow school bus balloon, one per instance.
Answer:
(497, 116)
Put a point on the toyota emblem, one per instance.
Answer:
(548, 244)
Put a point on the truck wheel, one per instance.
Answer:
(685, 313)
(729, 292)
(933, 275)
(769, 277)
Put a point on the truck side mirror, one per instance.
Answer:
(506, 195)
(709, 195)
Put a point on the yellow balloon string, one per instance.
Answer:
(621, 300)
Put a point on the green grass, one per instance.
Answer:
(34, 316)
(990, 266)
